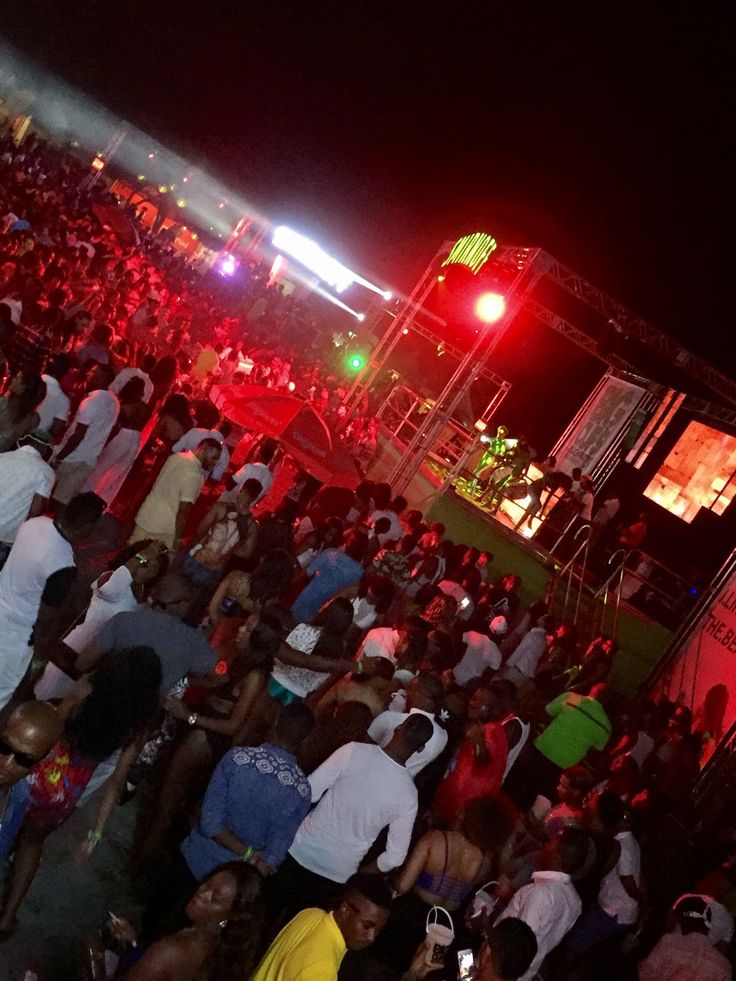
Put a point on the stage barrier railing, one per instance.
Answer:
(670, 590)
(571, 572)
(610, 591)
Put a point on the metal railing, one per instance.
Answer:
(659, 592)
(398, 414)
(571, 573)
(603, 604)
(611, 590)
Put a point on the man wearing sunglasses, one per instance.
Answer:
(25, 739)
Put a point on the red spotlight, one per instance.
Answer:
(490, 307)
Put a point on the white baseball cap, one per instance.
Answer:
(499, 626)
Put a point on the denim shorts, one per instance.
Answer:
(282, 695)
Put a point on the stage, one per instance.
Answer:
(642, 641)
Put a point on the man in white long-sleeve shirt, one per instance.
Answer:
(361, 789)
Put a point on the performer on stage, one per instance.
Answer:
(513, 467)
(497, 449)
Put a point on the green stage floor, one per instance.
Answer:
(642, 642)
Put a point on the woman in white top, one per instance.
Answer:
(116, 591)
(374, 597)
(325, 639)
(121, 589)
(327, 534)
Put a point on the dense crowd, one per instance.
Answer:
(351, 746)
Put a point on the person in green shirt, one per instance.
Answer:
(579, 723)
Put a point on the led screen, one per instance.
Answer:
(698, 473)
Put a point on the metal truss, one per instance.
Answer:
(564, 327)
(455, 352)
(716, 413)
(597, 300)
(475, 360)
(408, 319)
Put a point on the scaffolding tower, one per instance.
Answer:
(533, 267)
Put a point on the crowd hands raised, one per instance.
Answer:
(330, 719)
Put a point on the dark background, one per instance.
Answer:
(598, 131)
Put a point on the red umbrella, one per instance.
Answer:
(273, 413)
(340, 469)
(295, 423)
(108, 214)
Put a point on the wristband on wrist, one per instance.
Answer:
(141, 558)
(247, 854)
(359, 669)
(94, 835)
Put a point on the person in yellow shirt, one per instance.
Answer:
(164, 513)
(312, 945)
(207, 360)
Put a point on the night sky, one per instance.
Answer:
(598, 131)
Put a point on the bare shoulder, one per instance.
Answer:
(237, 581)
(175, 958)
(432, 839)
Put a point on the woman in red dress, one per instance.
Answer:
(478, 767)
